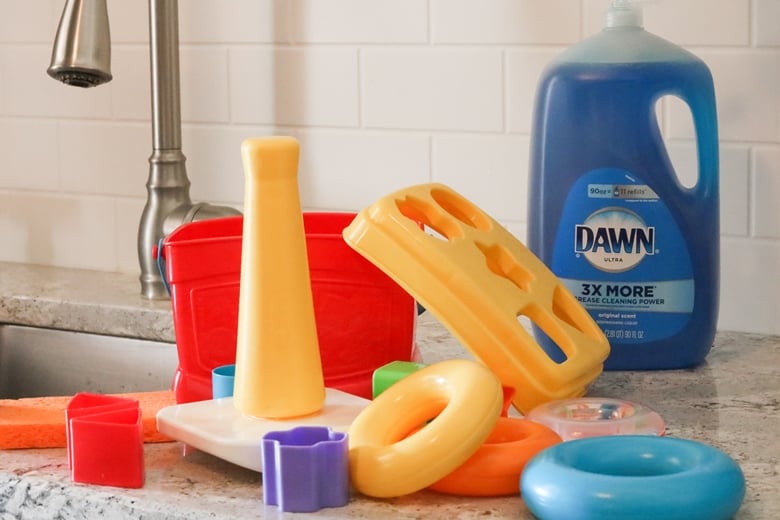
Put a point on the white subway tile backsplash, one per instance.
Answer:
(57, 230)
(593, 16)
(441, 89)
(29, 91)
(214, 160)
(360, 21)
(749, 285)
(204, 85)
(104, 158)
(4, 50)
(734, 190)
(766, 192)
(82, 226)
(203, 78)
(347, 170)
(127, 215)
(684, 161)
(130, 92)
(766, 14)
(700, 22)
(28, 21)
(300, 86)
(524, 69)
(491, 171)
(518, 229)
(15, 229)
(235, 21)
(382, 94)
(505, 21)
(129, 21)
(676, 118)
(29, 154)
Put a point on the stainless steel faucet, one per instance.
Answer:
(82, 57)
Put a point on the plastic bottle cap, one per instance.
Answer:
(624, 13)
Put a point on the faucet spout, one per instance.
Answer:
(81, 55)
(168, 203)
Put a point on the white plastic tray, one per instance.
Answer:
(217, 428)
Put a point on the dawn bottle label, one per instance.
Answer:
(621, 254)
(614, 239)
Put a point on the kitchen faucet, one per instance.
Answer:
(81, 56)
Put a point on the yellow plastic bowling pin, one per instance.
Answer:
(278, 367)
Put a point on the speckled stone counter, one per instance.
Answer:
(80, 300)
(731, 402)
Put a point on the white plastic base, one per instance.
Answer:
(217, 428)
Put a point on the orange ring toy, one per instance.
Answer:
(495, 468)
(393, 452)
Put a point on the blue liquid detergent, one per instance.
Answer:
(607, 212)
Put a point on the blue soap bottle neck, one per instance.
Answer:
(624, 40)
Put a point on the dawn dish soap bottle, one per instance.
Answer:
(607, 211)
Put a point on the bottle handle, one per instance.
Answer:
(700, 98)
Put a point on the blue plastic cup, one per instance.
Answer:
(222, 378)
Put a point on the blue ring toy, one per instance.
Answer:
(632, 477)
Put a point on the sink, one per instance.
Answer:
(38, 362)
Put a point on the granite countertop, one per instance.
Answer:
(732, 402)
(81, 300)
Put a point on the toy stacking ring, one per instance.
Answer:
(592, 416)
(632, 477)
(463, 397)
(495, 468)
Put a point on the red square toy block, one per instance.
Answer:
(105, 440)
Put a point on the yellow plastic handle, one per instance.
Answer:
(478, 279)
(386, 460)
(278, 367)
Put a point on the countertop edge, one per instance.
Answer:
(82, 300)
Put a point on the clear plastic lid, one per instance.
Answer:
(595, 416)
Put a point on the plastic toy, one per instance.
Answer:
(632, 477)
(478, 280)
(364, 319)
(394, 450)
(593, 416)
(389, 374)
(217, 428)
(279, 382)
(278, 368)
(305, 469)
(222, 381)
(496, 466)
(105, 440)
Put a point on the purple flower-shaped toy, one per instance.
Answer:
(305, 469)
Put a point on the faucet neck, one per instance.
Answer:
(164, 50)
(168, 188)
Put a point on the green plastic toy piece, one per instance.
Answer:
(387, 375)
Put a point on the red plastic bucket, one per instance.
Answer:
(364, 319)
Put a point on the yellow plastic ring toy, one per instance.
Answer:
(495, 468)
(390, 454)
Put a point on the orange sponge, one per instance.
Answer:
(39, 422)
